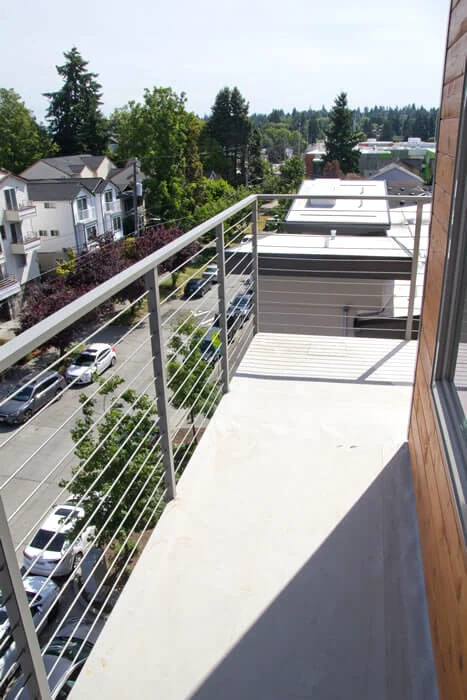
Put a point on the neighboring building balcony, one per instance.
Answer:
(85, 215)
(9, 286)
(113, 207)
(22, 211)
(247, 501)
(25, 243)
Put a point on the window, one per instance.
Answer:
(15, 233)
(54, 232)
(10, 199)
(91, 233)
(2, 233)
(42, 232)
(50, 205)
(116, 224)
(109, 198)
(450, 365)
(82, 204)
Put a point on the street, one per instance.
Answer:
(36, 456)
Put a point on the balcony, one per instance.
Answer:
(25, 243)
(286, 560)
(85, 215)
(22, 211)
(112, 207)
(9, 286)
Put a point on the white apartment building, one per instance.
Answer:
(19, 241)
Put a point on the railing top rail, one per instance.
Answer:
(389, 197)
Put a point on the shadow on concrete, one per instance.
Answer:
(352, 624)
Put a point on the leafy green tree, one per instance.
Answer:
(22, 140)
(164, 136)
(291, 174)
(76, 123)
(119, 459)
(230, 126)
(341, 139)
(192, 380)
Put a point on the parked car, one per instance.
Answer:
(196, 288)
(45, 606)
(69, 643)
(241, 307)
(210, 273)
(31, 395)
(50, 550)
(210, 346)
(94, 359)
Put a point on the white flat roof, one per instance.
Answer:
(340, 212)
(312, 244)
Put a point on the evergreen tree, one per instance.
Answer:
(230, 126)
(75, 121)
(341, 139)
(22, 139)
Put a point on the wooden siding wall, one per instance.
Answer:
(443, 549)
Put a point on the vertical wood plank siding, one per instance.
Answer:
(443, 548)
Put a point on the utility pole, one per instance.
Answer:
(135, 197)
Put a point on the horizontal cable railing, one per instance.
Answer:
(93, 444)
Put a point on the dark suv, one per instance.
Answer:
(196, 288)
(29, 396)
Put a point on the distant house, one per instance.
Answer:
(86, 167)
(73, 213)
(79, 166)
(19, 241)
(399, 181)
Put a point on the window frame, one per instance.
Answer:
(449, 411)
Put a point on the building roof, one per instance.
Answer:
(4, 174)
(63, 190)
(73, 165)
(357, 216)
(123, 177)
(393, 172)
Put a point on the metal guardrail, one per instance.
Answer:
(119, 449)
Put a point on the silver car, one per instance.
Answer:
(44, 593)
(94, 360)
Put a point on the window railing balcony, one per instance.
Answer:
(88, 214)
(113, 206)
(282, 339)
(25, 242)
(9, 286)
(23, 210)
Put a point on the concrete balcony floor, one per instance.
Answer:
(288, 567)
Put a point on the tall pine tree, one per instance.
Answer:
(341, 139)
(75, 121)
(230, 125)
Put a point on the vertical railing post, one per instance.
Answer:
(19, 615)
(160, 378)
(254, 265)
(414, 271)
(221, 280)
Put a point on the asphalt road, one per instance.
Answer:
(36, 456)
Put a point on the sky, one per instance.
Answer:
(279, 56)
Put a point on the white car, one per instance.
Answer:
(44, 606)
(94, 359)
(50, 552)
(210, 273)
